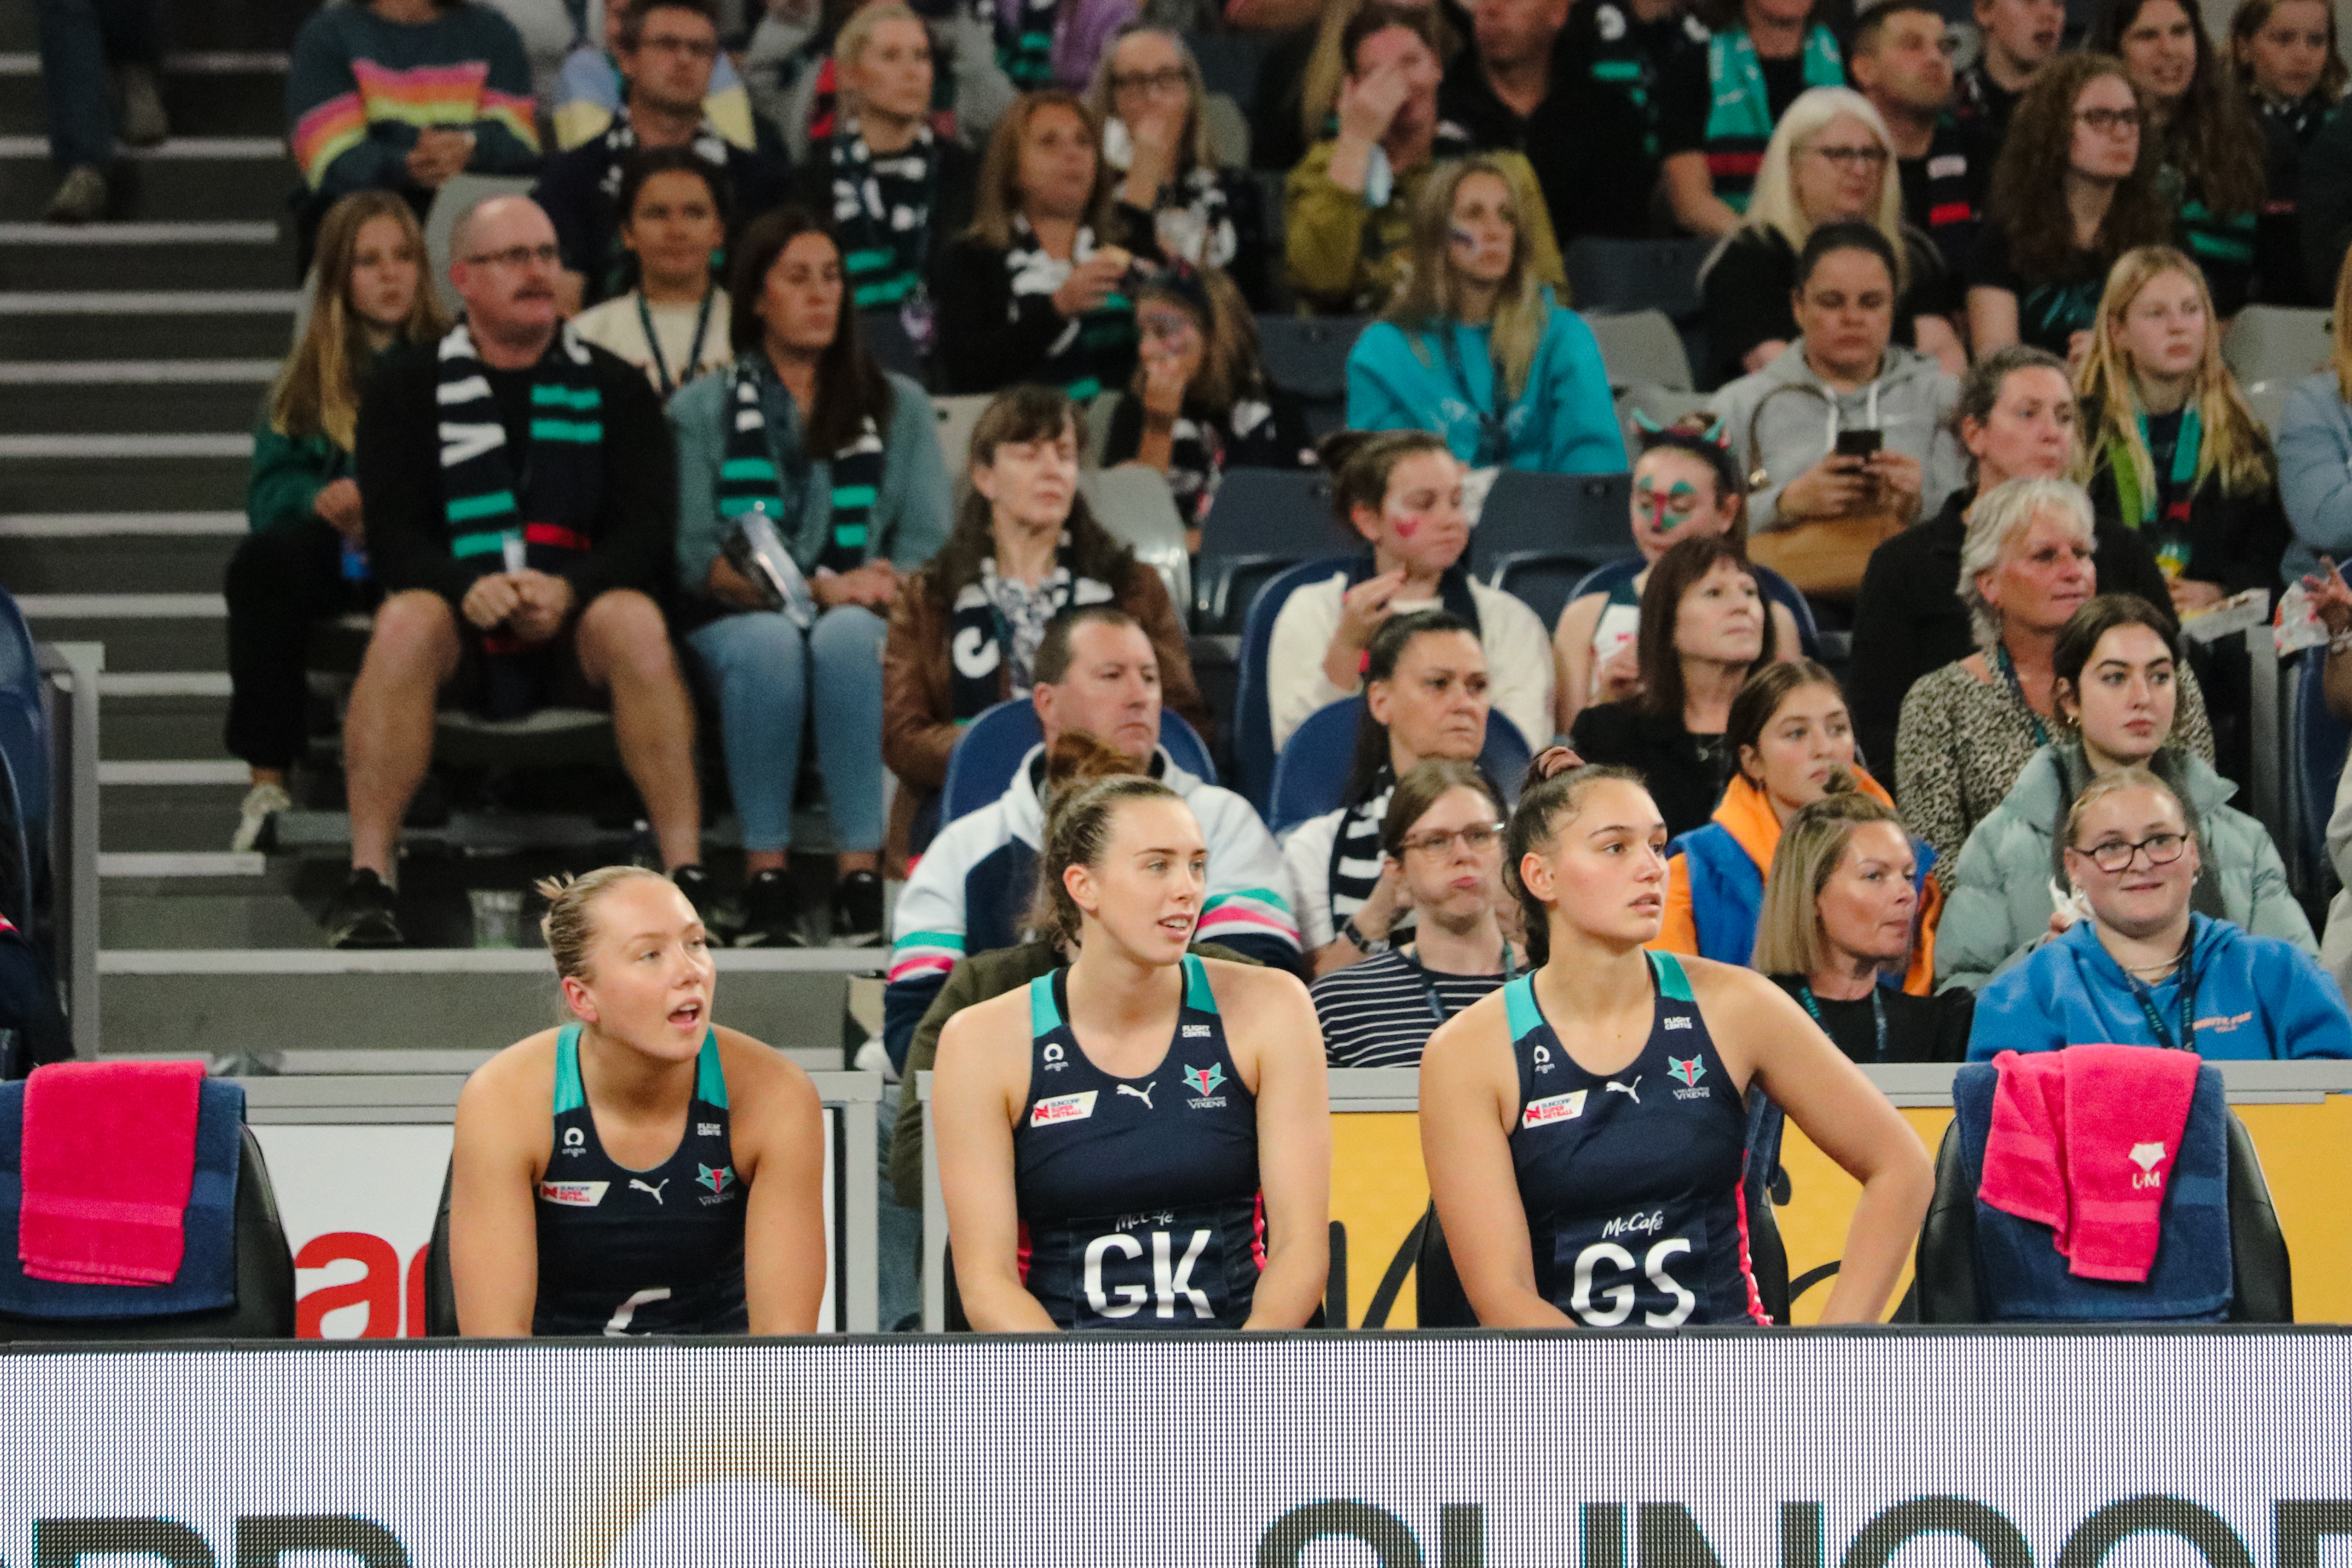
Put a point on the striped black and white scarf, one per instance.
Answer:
(1074, 360)
(883, 209)
(1355, 864)
(747, 476)
(1024, 42)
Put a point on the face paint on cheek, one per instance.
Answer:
(1407, 526)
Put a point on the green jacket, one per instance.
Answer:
(289, 471)
(1997, 905)
(974, 979)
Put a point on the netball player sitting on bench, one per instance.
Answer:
(676, 1186)
(1584, 1130)
(1140, 1139)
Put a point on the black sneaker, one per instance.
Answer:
(695, 883)
(364, 914)
(770, 920)
(857, 910)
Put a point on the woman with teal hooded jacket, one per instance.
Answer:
(2114, 669)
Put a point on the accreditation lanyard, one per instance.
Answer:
(1493, 427)
(2145, 995)
(653, 340)
(1877, 1015)
(1429, 987)
(2008, 668)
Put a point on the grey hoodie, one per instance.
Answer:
(1911, 401)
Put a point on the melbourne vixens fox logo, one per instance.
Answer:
(1687, 1073)
(721, 1182)
(1203, 1082)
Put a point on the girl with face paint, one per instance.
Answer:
(1685, 484)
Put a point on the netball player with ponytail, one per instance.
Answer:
(641, 1170)
(1140, 1139)
(1583, 1128)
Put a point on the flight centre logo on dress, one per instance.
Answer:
(721, 1183)
(1688, 1072)
(1203, 1082)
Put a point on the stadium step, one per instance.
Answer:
(254, 322)
(101, 472)
(193, 177)
(156, 397)
(216, 93)
(123, 256)
(138, 553)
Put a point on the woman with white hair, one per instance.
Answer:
(1969, 730)
(1831, 161)
(1170, 191)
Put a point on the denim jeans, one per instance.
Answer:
(79, 37)
(766, 673)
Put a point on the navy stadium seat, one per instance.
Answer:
(1306, 356)
(1253, 717)
(1618, 276)
(992, 745)
(1539, 534)
(1263, 521)
(1311, 777)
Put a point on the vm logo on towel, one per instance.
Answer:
(2147, 1157)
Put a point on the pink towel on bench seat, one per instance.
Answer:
(109, 1151)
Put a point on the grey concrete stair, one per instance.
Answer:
(123, 563)
(254, 254)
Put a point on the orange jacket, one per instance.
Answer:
(1747, 817)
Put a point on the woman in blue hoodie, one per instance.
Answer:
(1477, 350)
(2146, 969)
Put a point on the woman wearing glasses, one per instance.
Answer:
(1442, 841)
(2114, 676)
(2075, 188)
(1828, 162)
(1171, 193)
(2143, 968)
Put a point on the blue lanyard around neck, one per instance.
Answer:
(1493, 436)
(1877, 1014)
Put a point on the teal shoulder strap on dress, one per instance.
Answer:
(1519, 1007)
(1197, 995)
(709, 1078)
(569, 1094)
(1044, 1018)
(1674, 982)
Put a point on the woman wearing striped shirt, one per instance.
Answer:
(1441, 840)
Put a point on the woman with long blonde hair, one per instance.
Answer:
(1479, 351)
(1831, 161)
(306, 557)
(2172, 448)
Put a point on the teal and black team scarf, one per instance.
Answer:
(1739, 118)
(488, 490)
(747, 476)
(981, 637)
(883, 208)
(1025, 41)
(1073, 363)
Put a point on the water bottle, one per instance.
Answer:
(758, 552)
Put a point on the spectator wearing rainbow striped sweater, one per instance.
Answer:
(400, 95)
(1097, 685)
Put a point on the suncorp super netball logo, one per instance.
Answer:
(1667, 1535)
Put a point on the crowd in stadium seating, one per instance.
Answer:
(1966, 399)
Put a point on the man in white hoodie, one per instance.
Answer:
(971, 891)
(1843, 372)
